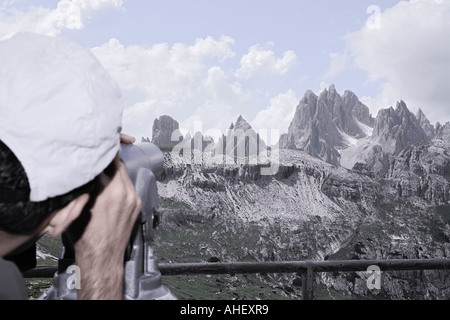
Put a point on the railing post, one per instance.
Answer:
(308, 282)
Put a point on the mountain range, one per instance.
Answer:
(337, 129)
(348, 186)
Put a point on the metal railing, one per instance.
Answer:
(306, 268)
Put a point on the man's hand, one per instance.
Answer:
(126, 139)
(101, 249)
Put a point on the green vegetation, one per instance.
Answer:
(51, 246)
(223, 287)
(37, 287)
(444, 212)
(171, 203)
(198, 241)
(323, 293)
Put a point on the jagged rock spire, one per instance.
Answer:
(425, 124)
(397, 128)
(321, 123)
(163, 129)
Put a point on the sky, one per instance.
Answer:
(206, 62)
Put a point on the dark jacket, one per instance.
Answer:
(12, 283)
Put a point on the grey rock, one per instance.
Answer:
(359, 110)
(423, 170)
(321, 121)
(443, 132)
(396, 129)
(311, 210)
(242, 124)
(164, 129)
(287, 142)
(425, 124)
(240, 141)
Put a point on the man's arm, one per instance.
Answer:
(100, 250)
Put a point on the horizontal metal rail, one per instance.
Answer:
(300, 266)
(172, 269)
(306, 268)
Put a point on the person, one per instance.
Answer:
(60, 134)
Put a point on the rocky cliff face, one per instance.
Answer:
(394, 130)
(240, 142)
(163, 129)
(325, 124)
(392, 202)
(359, 111)
(311, 210)
(425, 124)
(443, 131)
(397, 128)
(423, 170)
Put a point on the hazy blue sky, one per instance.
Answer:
(211, 61)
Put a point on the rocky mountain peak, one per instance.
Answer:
(241, 139)
(402, 109)
(397, 128)
(443, 131)
(163, 129)
(359, 110)
(331, 93)
(385, 121)
(420, 116)
(425, 124)
(242, 124)
(327, 123)
(309, 94)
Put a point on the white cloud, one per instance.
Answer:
(338, 63)
(387, 98)
(68, 14)
(192, 83)
(323, 85)
(410, 54)
(279, 114)
(210, 47)
(184, 81)
(198, 81)
(259, 60)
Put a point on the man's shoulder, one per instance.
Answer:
(12, 283)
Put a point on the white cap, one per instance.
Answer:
(60, 112)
